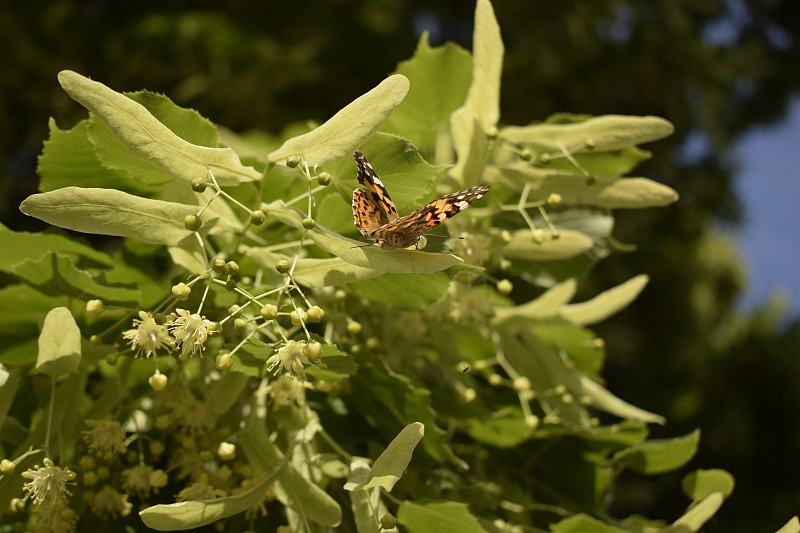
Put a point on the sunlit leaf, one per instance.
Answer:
(605, 304)
(702, 483)
(403, 291)
(59, 344)
(603, 133)
(437, 517)
(440, 79)
(575, 189)
(110, 212)
(149, 139)
(392, 463)
(569, 243)
(347, 129)
(483, 99)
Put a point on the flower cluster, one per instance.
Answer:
(182, 329)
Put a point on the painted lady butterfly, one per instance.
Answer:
(377, 219)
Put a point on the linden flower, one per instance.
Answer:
(110, 503)
(55, 518)
(147, 336)
(287, 392)
(138, 480)
(48, 484)
(190, 331)
(200, 490)
(105, 438)
(290, 357)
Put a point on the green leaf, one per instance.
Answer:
(192, 514)
(294, 491)
(483, 99)
(21, 307)
(151, 140)
(568, 244)
(388, 401)
(597, 134)
(59, 344)
(19, 246)
(792, 526)
(605, 304)
(437, 517)
(440, 79)
(547, 305)
(581, 523)
(660, 455)
(575, 189)
(611, 163)
(110, 212)
(225, 392)
(471, 147)
(602, 399)
(346, 130)
(403, 291)
(56, 275)
(392, 463)
(702, 483)
(69, 159)
(333, 366)
(504, 429)
(698, 515)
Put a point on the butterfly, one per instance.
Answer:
(377, 219)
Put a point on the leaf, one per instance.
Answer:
(605, 304)
(440, 79)
(392, 463)
(192, 514)
(149, 139)
(333, 366)
(575, 189)
(700, 484)
(568, 244)
(21, 307)
(547, 305)
(483, 99)
(56, 275)
(59, 344)
(388, 400)
(20, 245)
(330, 272)
(225, 392)
(437, 517)
(294, 491)
(403, 291)
(110, 212)
(602, 399)
(69, 159)
(597, 134)
(581, 523)
(657, 456)
(697, 516)
(503, 429)
(471, 147)
(346, 130)
(792, 526)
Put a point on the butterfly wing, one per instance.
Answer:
(365, 213)
(375, 190)
(407, 230)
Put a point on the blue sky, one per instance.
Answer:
(768, 183)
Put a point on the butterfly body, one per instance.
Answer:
(377, 219)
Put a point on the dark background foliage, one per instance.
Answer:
(716, 69)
